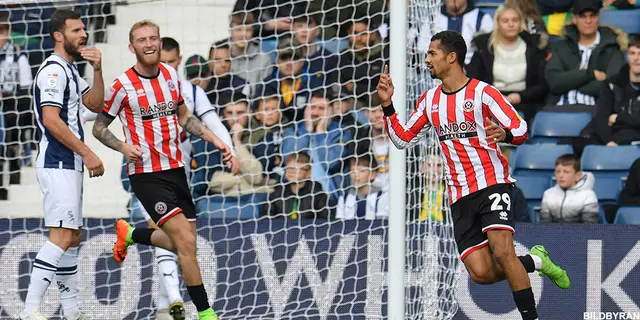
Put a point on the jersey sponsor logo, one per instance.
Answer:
(52, 80)
(468, 105)
(456, 130)
(160, 207)
(156, 111)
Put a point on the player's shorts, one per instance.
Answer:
(164, 194)
(479, 212)
(62, 191)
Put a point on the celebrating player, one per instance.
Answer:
(148, 100)
(59, 94)
(478, 180)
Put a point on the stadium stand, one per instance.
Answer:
(612, 162)
(533, 188)
(628, 215)
(550, 127)
(538, 160)
(627, 20)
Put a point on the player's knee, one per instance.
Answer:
(185, 242)
(481, 274)
(503, 253)
(76, 237)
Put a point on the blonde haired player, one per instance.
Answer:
(148, 100)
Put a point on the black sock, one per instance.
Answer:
(526, 304)
(199, 297)
(528, 263)
(142, 235)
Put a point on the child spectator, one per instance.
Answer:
(223, 83)
(291, 80)
(432, 207)
(512, 60)
(298, 197)
(323, 138)
(372, 139)
(588, 55)
(265, 135)
(362, 201)
(322, 63)
(572, 199)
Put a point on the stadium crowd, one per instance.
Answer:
(294, 84)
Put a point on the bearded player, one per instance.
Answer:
(59, 96)
(478, 181)
(148, 100)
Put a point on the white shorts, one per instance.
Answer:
(62, 191)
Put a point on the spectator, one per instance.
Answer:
(197, 71)
(265, 135)
(362, 64)
(337, 15)
(362, 201)
(588, 55)
(532, 19)
(247, 61)
(433, 197)
(223, 83)
(572, 199)
(236, 111)
(460, 16)
(620, 4)
(15, 103)
(617, 119)
(629, 196)
(291, 80)
(343, 105)
(512, 60)
(321, 62)
(273, 17)
(374, 141)
(323, 138)
(298, 197)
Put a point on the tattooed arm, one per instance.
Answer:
(103, 134)
(191, 123)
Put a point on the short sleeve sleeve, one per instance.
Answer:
(84, 86)
(51, 82)
(202, 104)
(114, 98)
(180, 99)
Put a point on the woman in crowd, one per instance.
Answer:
(511, 59)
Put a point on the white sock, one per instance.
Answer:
(163, 299)
(536, 261)
(168, 274)
(67, 281)
(44, 269)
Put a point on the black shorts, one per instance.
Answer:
(476, 213)
(164, 194)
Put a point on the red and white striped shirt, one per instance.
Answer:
(148, 110)
(471, 163)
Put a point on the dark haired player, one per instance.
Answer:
(463, 111)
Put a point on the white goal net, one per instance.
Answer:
(302, 232)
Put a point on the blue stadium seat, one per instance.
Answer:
(613, 162)
(549, 127)
(270, 47)
(335, 45)
(628, 215)
(490, 10)
(627, 20)
(533, 188)
(233, 208)
(607, 190)
(537, 159)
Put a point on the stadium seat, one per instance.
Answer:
(335, 45)
(490, 10)
(537, 159)
(232, 208)
(613, 162)
(550, 127)
(270, 47)
(628, 215)
(533, 188)
(627, 20)
(607, 190)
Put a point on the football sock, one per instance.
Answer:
(44, 269)
(199, 297)
(67, 281)
(526, 304)
(168, 274)
(163, 299)
(529, 262)
(142, 235)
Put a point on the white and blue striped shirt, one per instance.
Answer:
(575, 96)
(59, 84)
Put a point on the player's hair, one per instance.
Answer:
(300, 157)
(170, 44)
(59, 19)
(365, 160)
(142, 24)
(451, 41)
(241, 18)
(4, 21)
(569, 159)
(494, 37)
(634, 40)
